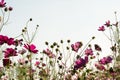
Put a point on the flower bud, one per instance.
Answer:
(10, 8)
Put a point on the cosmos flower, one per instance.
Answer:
(76, 46)
(37, 63)
(49, 53)
(5, 39)
(99, 66)
(2, 3)
(31, 48)
(102, 28)
(10, 52)
(105, 60)
(81, 62)
(88, 52)
(107, 23)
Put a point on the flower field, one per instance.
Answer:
(63, 60)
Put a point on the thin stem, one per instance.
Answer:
(33, 35)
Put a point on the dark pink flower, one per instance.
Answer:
(10, 41)
(10, 52)
(5, 39)
(49, 53)
(80, 62)
(2, 3)
(107, 23)
(102, 28)
(89, 52)
(105, 60)
(31, 48)
(76, 46)
(37, 63)
(6, 62)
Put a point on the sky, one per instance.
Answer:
(77, 20)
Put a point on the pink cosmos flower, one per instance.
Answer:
(105, 60)
(5, 39)
(76, 46)
(31, 48)
(37, 63)
(2, 3)
(107, 23)
(89, 52)
(10, 52)
(102, 28)
(21, 61)
(49, 53)
(81, 62)
(99, 66)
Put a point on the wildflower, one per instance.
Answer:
(2, 3)
(31, 48)
(107, 23)
(49, 53)
(6, 62)
(76, 46)
(37, 63)
(97, 47)
(102, 28)
(21, 61)
(99, 66)
(105, 60)
(89, 52)
(80, 62)
(5, 39)
(10, 41)
(10, 52)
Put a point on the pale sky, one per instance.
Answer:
(77, 20)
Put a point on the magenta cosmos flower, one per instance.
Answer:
(107, 23)
(10, 52)
(80, 62)
(105, 60)
(49, 53)
(2, 3)
(5, 39)
(89, 52)
(76, 46)
(31, 48)
(102, 28)
(37, 63)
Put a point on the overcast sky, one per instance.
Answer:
(62, 19)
